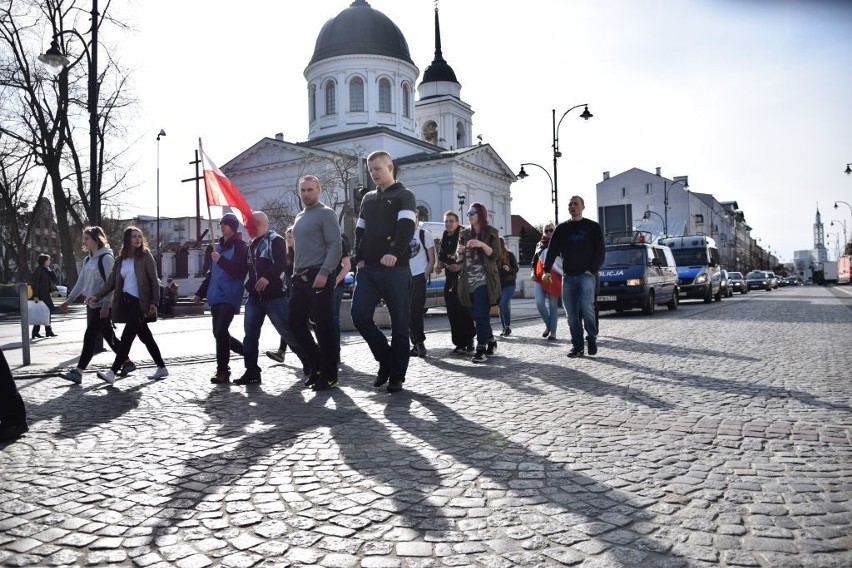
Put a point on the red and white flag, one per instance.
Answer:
(223, 193)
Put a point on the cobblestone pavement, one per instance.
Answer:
(715, 435)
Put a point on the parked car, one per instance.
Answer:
(738, 282)
(773, 279)
(60, 293)
(724, 285)
(758, 280)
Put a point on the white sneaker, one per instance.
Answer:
(160, 373)
(108, 376)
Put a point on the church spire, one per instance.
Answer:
(439, 70)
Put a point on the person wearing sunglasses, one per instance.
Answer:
(479, 284)
(546, 296)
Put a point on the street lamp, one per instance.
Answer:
(843, 224)
(586, 115)
(646, 216)
(848, 170)
(159, 239)
(844, 203)
(523, 175)
(461, 203)
(666, 191)
(55, 60)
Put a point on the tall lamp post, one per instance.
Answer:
(56, 60)
(586, 115)
(523, 175)
(461, 204)
(850, 211)
(666, 190)
(842, 224)
(646, 216)
(159, 240)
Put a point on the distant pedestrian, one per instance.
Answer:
(580, 243)
(462, 330)
(267, 257)
(96, 269)
(422, 263)
(137, 286)
(223, 288)
(13, 413)
(385, 228)
(316, 235)
(546, 295)
(287, 282)
(479, 283)
(507, 268)
(44, 281)
(170, 297)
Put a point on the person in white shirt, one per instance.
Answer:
(421, 264)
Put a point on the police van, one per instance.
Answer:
(637, 274)
(697, 261)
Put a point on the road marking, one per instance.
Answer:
(844, 291)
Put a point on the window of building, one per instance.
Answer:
(430, 132)
(312, 102)
(384, 95)
(422, 213)
(356, 95)
(624, 193)
(330, 98)
(616, 218)
(459, 134)
(406, 101)
(649, 189)
(699, 219)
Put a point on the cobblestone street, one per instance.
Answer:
(718, 434)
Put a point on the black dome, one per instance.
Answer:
(359, 29)
(440, 70)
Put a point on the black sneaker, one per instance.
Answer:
(394, 386)
(593, 347)
(551, 337)
(322, 384)
(492, 347)
(546, 332)
(382, 377)
(459, 351)
(277, 356)
(479, 357)
(313, 379)
(248, 378)
(574, 353)
(310, 379)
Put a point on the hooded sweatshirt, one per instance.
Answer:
(90, 281)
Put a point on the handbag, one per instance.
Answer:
(38, 313)
(150, 317)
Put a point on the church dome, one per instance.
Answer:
(360, 30)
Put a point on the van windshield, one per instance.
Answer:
(690, 256)
(624, 257)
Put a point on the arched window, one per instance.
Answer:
(384, 95)
(312, 102)
(459, 134)
(406, 101)
(330, 98)
(356, 95)
(422, 213)
(430, 132)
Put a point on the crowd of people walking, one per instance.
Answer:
(296, 281)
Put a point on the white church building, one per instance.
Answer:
(360, 95)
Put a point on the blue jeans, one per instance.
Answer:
(372, 284)
(256, 312)
(506, 304)
(548, 307)
(578, 296)
(482, 317)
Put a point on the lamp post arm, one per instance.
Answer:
(542, 168)
(561, 118)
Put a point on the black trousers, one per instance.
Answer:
(462, 329)
(223, 315)
(417, 305)
(12, 409)
(95, 325)
(308, 303)
(135, 326)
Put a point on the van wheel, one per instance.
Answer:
(650, 306)
(718, 296)
(673, 303)
(709, 296)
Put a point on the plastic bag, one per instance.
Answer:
(38, 313)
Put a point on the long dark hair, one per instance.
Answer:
(127, 249)
(480, 234)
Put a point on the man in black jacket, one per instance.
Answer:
(581, 245)
(385, 229)
(13, 415)
(266, 260)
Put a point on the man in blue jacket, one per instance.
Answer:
(223, 288)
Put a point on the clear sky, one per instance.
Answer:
(752, 99)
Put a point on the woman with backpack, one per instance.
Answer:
(96, 269)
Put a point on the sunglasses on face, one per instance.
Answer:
(471, 213)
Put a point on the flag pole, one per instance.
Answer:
(207, 198)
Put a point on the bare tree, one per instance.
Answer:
(47, 114)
